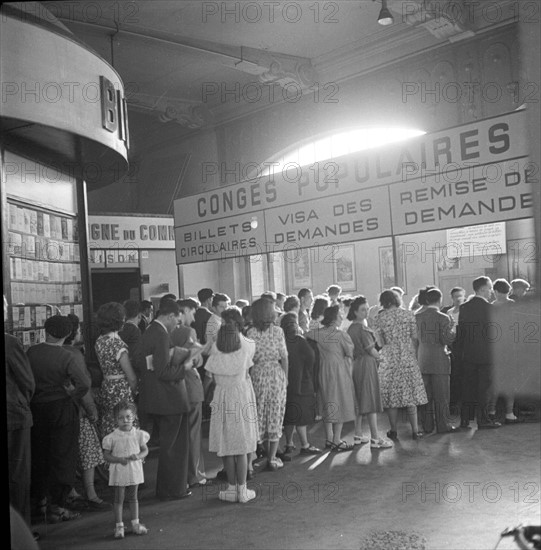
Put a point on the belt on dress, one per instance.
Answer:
(114, 376)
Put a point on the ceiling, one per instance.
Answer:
(199, 64)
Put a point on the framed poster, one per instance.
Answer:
(344, 267)
(386, 267)
(302, 269)
(443, 260)
(522, 259)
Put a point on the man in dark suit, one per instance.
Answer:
(434, 333)
(163, 395)
(474, 349)
(20, 387)
(458, 295)
(203, 313)
(145, 309)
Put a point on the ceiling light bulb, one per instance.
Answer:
(385, 17)
(253, 222)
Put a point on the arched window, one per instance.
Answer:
(337, 144)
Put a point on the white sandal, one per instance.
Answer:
(380, 444)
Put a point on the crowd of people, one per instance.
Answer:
(261, 371)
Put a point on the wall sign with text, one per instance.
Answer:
(477, 173)
(130, 232)
(114, 258)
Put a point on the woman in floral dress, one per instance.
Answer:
(269, 376)
(401, 382)
(90, 453)
(119, 379)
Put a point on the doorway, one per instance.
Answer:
(115, 286)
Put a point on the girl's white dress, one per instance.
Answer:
(233, 421)
(124, 444)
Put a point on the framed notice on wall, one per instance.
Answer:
(344, 267)
(522, 259)
(386, 267)
(302, 269)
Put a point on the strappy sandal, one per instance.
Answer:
(58, 514)
(328, 444)
(341, 447)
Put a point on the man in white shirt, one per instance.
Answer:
(220, 302)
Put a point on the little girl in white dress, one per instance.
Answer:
(125, 448)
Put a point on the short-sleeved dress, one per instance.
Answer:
(233, 421)
(336, 396)
(123, 444)
(269, 381)
(115, 387)
(365, 369)
(401, 382)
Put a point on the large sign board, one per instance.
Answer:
(472, 174)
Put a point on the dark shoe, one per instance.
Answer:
(204, 482)
(98, 505)
(311, 450)
(451, 430)
(56, 514)
(488, 426)
(175, 497)
(289, 449)
(514, 421)
(259, 464)
(417, 435)
(283, 457)
(221, 475)
(391, 434)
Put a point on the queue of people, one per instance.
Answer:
(274, 367)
